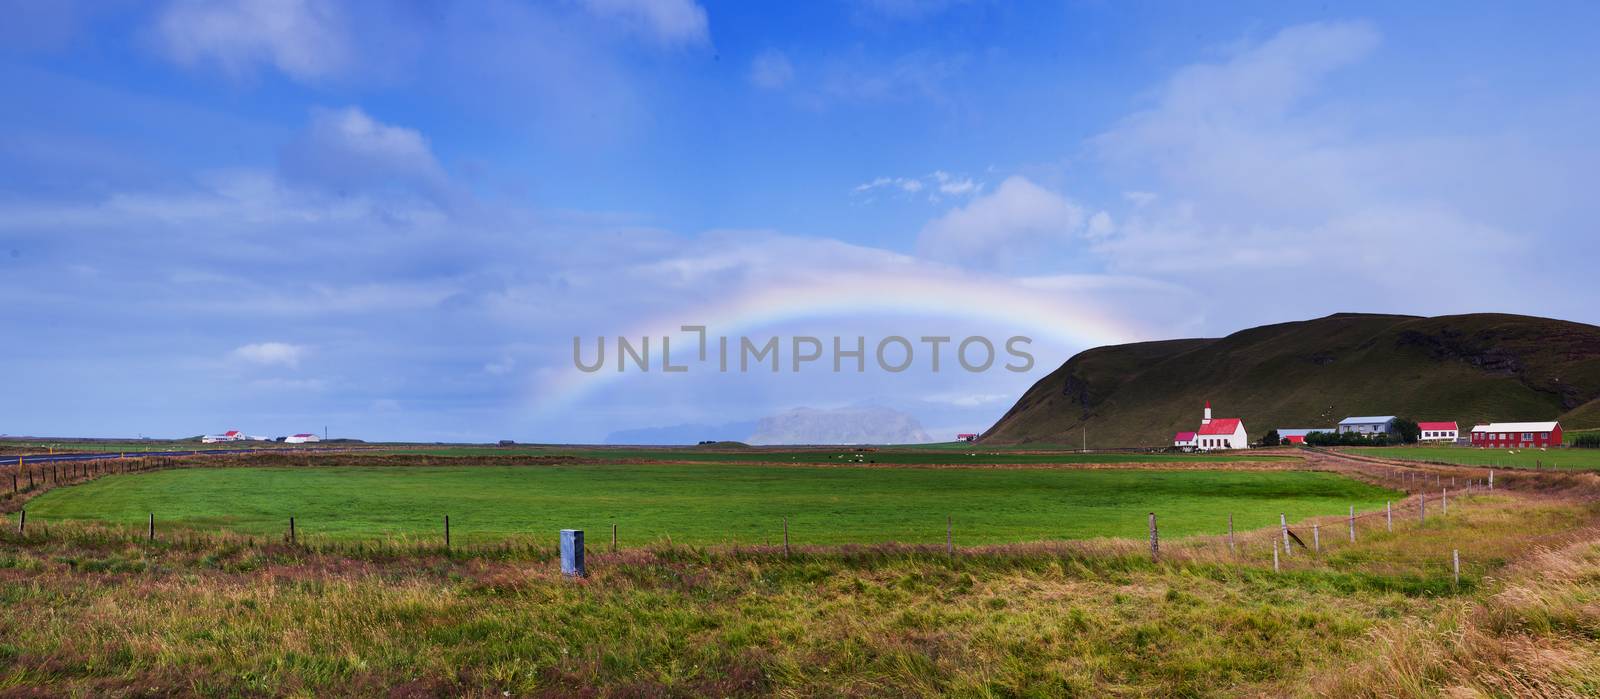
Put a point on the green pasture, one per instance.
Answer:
(1471, 456)
(705, 504)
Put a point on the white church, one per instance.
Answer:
(1218, 433)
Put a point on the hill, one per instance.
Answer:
(1468, 368)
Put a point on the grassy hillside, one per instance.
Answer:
(1468, 368)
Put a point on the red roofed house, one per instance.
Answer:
(1221, 433)
(967, 437)
(1184, 440)
(1438, 431)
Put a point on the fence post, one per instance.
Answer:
(1388, 514)
(1455, 558)
(1155, 540)
(1283, 523)
(291, 531)
(613, 537)
(152, 526)
(572, 554)
(22, 522)
(1274, 555)
(1316, 538)
(1491, 479)
(949, 536)
(1422, 508)
(1230, 534)
(785, 537)
(1352, 524)
(447, 532)
(1444, 501)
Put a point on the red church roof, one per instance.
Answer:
(1436, 425)
(1183, 437)
(1221, 426)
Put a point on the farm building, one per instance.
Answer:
(1184, 440)
(229, 436)
(1438, 431)
(1297, 435)
(302, 438)
(967, 437)
(1220, 433)
(1381, 424)
(1517, 435)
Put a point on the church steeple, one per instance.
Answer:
(1207, 419)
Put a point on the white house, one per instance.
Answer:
(301, 438)
(1220, 433)
(229, 436)
(1184, 440)
(1438, 431)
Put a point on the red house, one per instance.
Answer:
(1517, 435)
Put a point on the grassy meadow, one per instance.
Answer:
(708, 504)
(1566, 458)
(961, 454)
(94, 612)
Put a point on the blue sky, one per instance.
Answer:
(393, 218)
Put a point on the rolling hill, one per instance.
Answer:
(1468, 368)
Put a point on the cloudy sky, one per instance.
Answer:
(392, 219)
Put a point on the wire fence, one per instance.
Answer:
(1429, 495)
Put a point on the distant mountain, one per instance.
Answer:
(853, 425)
(684, 434)
(1467, 368)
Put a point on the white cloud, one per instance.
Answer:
(271, 354)
(955, 186)
(771, 70)
(349, 150)
(1019, 220)
(938, 183)
(669, 22)
(302, 38)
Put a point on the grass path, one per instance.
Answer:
(705, 504)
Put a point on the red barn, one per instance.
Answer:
(1517, 435)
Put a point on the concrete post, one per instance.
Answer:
(572, 553)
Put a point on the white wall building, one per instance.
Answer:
(1438, 431)
(1220, 433)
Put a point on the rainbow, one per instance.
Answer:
(1041, 314)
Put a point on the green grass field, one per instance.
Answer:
(709, 504)
(1468, 456)
(970, 454)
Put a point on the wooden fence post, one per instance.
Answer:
(613, 537)
(1283, 523)
(447, 532)
(1422, 508)
(22, 522)
(1352, 524)
(1155, 540)
(785, 537)
(1274, 555)
(1231, 550)
(1491, 479)
(1444, 501)
(1316, 539)
(1388, 514)
(949, 536)
(152, 526)
(1455, 560)
(291, 531)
